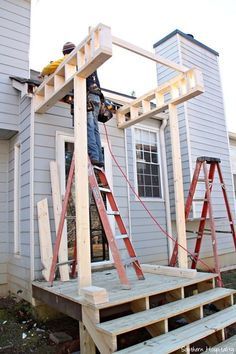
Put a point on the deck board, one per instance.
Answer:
(152, 285)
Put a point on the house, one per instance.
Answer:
(30, 141)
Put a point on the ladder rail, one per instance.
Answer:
(62, 220)
(212, 223)
(118, 219)
(208, 176)
(207, 210)
(230, 218)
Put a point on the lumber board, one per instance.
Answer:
(227, 346)
(161, 313)
(179, 338)
(95, 294)
(89, 321)
(152, 285)
(81, 184)
(86, 343)
(45, 240)
(148, 55)
(139, 109)
(57, 209)
(89, 55)
(171, 271)
(178, 187)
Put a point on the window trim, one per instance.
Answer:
(157, 132)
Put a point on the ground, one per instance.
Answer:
(21, 333)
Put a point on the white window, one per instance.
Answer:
(17, 173)
(147, 155)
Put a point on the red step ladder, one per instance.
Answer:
(207, 209)
(99, 185)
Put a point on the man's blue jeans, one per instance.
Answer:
(94, 140)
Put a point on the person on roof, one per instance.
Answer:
(94, 100)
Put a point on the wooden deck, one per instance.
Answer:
(152, 284)
(151, 306)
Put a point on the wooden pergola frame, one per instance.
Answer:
(89, 55)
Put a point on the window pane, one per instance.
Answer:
(141, 191)
(154, 158)
(148, 175)
(148, 192)
(147, 156)
(140, 179)
(147, 180)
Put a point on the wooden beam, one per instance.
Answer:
(81, 184)
(86, 343)
(175, 91)
(45, 240)
(95, 295)
(57, 209)
(148, 55)
(83, 61)
(178, 186)
(173, 272)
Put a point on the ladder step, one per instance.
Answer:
(200, 200)
(98, 168)
(129, 261)
(105, 190)
(121, 237)
(203, 180)
(115, 212)
(66, 262)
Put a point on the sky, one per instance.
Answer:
(143, 23)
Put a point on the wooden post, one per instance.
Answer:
(86, 343)
(81, 184)
(178, 186)
(57, 209)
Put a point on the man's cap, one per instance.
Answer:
(68, 47)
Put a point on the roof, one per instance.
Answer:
(33, 80)
(188, 37)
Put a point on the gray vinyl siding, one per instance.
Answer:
(202, 133)
(46, 125)
(170, 50)
(4, 245)
(58, 119)
(149, 242)
(19, 264)
(14, 56)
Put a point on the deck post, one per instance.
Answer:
(81, 184)
(178, 186)
(86, 343)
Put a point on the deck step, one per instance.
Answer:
(148, 317)
(183, 336)
(227, 346)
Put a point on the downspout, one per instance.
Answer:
(128, 188)
(166, 187)
(32, 252)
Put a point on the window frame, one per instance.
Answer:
(157, 132)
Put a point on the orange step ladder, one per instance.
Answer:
(97, 189)
(207, 209)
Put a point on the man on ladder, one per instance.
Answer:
(94, 101)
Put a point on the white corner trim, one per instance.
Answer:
(23, 88)
(32, 122)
